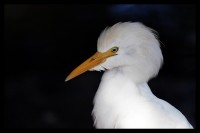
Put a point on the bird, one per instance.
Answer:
(130, 55)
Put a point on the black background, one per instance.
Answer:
(44, 43)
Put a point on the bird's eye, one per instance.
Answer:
(114, 49)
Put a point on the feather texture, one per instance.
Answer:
(124, 99)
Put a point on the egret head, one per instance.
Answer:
(132, 47)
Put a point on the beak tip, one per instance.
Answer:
(67, 79)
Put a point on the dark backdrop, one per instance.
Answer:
(44, 43)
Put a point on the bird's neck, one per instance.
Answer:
(117, 86)
(116, 94)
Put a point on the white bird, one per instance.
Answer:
(130, 55)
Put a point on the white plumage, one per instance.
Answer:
(130, 53)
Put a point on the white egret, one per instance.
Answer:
(130, 54)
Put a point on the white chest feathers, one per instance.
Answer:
(119, 103)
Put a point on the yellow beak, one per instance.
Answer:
(93, 61)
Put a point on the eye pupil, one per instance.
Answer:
(115, 49)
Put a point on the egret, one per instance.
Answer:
(130, 55)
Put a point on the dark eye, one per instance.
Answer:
(114, 49)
